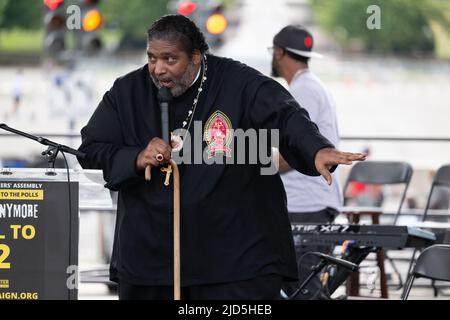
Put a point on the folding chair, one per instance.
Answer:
(377, 173)
(440, 180)
(433, 263)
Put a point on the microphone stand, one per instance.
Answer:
(315, 270)
(52, 151)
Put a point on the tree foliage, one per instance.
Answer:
(3, 4)
(405, 24)
(133, 17)
(24, 14)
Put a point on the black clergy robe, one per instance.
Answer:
(234, 222)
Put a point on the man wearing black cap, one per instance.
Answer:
(310, 200)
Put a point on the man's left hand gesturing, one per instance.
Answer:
(329, 157)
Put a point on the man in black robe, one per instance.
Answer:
(236, 240)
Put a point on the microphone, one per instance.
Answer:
(164, 98)
(340, 262)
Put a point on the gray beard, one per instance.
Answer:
(181, 85)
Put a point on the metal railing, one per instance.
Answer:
(343, 138)
(398, 139)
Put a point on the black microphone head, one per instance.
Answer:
(164, 95)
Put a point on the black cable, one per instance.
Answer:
(70, 214)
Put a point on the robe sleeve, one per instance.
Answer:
(273, 107)
(103, 144)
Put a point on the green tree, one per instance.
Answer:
(3, 4)
(405, 24)
(23, 14)
(133, 17)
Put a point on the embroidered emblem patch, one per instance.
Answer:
(218, 134)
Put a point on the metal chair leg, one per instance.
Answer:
(435, 289)
(408, 286)
(411, 263)
(394, 267)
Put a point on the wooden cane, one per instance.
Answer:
(176, 232)
(148, 173)
(164, 97)
(176, 228)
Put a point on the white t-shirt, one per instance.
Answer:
(305, 193)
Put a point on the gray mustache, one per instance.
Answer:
(165, 79)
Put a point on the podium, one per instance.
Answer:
(39, 232)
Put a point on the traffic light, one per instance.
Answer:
(55, 27)
(186, 8)
(208, 16)
(92, 21)
(216, 23)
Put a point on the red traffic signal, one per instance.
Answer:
(186, 8)
(53, 4)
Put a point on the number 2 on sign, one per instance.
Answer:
(3, 256)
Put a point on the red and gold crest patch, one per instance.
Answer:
(218, 134)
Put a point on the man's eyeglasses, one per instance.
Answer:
(272, 49)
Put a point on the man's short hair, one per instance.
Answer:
(179, 29)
